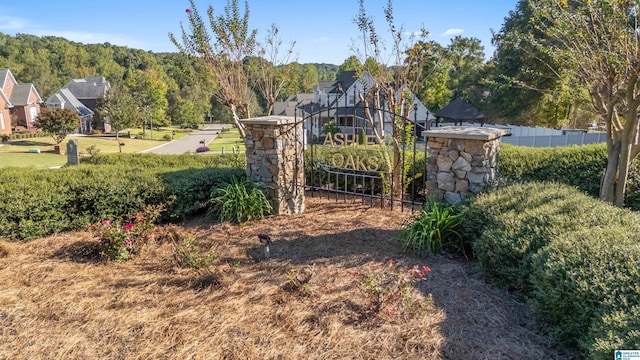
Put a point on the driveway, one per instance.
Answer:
(189, 143)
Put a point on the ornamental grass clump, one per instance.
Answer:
(239, 202)
(433, 230)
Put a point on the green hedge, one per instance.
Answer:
(579, 166)
(159, 161)
(41, 202)
(576, 258)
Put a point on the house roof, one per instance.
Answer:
(66, 100)
(4, 75)
(459, 109)
(289, 106)
(92, 87)
(343, 82)
(21, 92)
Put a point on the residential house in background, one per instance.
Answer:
(339, 101)
(81, 95)
(64, 99)
(19, 104)
(291, 104)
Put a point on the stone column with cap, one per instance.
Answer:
(275, 160)
(461, 160)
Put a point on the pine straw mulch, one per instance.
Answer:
(58, 301)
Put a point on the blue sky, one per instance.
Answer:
(324, 31)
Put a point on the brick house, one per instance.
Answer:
(19, 104)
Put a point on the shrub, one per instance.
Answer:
(579, 166)
(188, 191)
(167, 137)
(576, 258)
(120, 241)
(187, 253)
(512, 223)
(388, 291)
(41, 202)
(239, 202)
(587, 289)
(202, 149)
(167, 161)
(432, 230)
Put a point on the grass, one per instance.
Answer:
(158, 134)
(59, 301)
(16, 152)
(228, 139)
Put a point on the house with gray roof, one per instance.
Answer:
(339, 102)
(19, 104)
(64, 99)
(81, 95)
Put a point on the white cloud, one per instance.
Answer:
(12, 23)
(453, 31)
(321, 39)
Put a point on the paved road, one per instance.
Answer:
(189, 143)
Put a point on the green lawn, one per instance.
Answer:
(157, 134)
(42, 160)
(16, 152)
(229, 138)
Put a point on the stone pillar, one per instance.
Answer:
(274, 150)
(462, 160)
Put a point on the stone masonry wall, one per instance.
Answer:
(274, 150)
(458, 167)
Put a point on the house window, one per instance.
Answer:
(33, 112)
(352, 99)
(345, 121)
(2, 121)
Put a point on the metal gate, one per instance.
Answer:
(345, 160)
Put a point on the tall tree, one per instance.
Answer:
(274, 66)
(224, 49)
(527, 85)
(150, 90)
(467, 61)
(432, 82)
(58, 122)
(120, 109)
(390, 88)
(599, 41)
(352, 63)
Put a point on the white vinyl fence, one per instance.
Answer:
(544, 137)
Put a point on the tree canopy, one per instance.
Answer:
(58, 122)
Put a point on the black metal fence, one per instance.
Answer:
(345, 160)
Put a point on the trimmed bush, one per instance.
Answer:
(168, 161)
(36, 203)
(579, 166)
(576, 258)
(587, 288)
(512, 223)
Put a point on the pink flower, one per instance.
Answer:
(188, 11)
(127, 241)
(106, 222)
(129, 227)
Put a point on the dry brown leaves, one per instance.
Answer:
(58, 301)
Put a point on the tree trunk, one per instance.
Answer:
(236, 121)
(607, 185)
